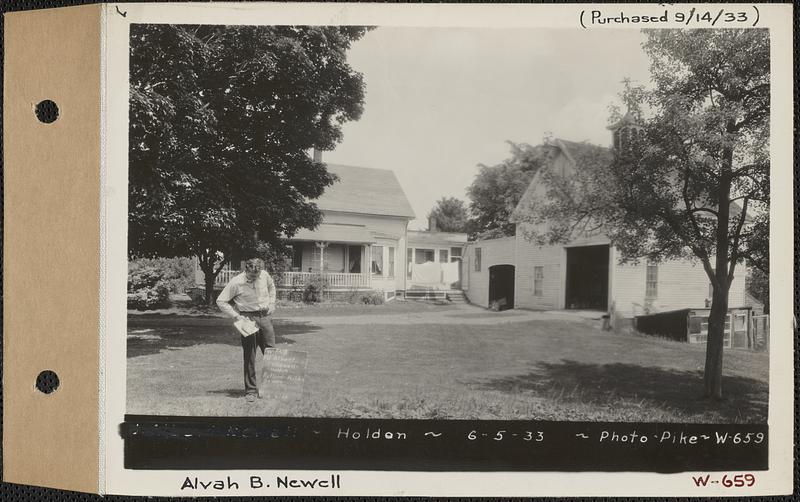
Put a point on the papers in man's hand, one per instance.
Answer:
(246, 327)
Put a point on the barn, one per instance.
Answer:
(586, 273)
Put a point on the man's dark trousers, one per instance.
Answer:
(262, 339)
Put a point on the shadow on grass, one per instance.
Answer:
(228, 392)
(745, 398)
(144, 340)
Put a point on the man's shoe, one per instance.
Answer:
(250, 398)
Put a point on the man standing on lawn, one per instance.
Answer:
(253, 294)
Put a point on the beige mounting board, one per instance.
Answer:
(51, 248)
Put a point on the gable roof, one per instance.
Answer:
(570, 150)
(573, 148)
(365, 190)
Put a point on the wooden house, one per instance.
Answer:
(364, 244)
(433, 259)
(362, 240)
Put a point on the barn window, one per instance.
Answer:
(538, 279)
(651, 290)
(477, 259)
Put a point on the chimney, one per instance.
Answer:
(432, 224)
(317, 156)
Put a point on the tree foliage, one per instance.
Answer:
(221, 121)
(497, 190)
(695, 183)
(758, 287)
(451, 215)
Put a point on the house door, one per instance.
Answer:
(457, 259)
(501, 286)
(587, 278)
(354, 259)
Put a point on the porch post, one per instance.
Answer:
(322, 246)
(410, 265)
(369, 265)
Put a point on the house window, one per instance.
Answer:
(651, 289)
(409, 261)
(377, 260)
(443, 258)
(538, 279)
(390, 269)
(455, 252)
(424, 256)
(477, 259)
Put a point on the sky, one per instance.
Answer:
(441, 101)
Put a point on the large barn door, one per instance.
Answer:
(587, 278)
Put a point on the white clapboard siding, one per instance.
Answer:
(551, 258)
(493, 252)
(681, 284)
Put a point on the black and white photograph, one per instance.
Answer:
(449, 223)
(400, 250)
(500, 239)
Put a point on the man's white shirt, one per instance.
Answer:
(248, 297)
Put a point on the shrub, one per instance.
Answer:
(372, 298)
(353, 295)
(178, 273)
(314, 290)
(147, 288)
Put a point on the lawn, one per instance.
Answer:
(413, 360)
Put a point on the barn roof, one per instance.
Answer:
(575, 150)
(572, 150)
(365, 190)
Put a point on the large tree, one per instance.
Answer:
(497, 190)
(451, 215)
(694, 183)
(222, 118)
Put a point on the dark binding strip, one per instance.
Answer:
(168, 442)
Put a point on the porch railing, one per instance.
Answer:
(334, 279)
(225, 275)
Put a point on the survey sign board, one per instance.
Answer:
(283, 374)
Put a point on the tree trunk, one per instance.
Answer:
(716, 334)
(210, 277)
(721, 281)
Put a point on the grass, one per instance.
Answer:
(445, 362)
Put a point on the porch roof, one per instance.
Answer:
(419, 238)
(332, 232)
